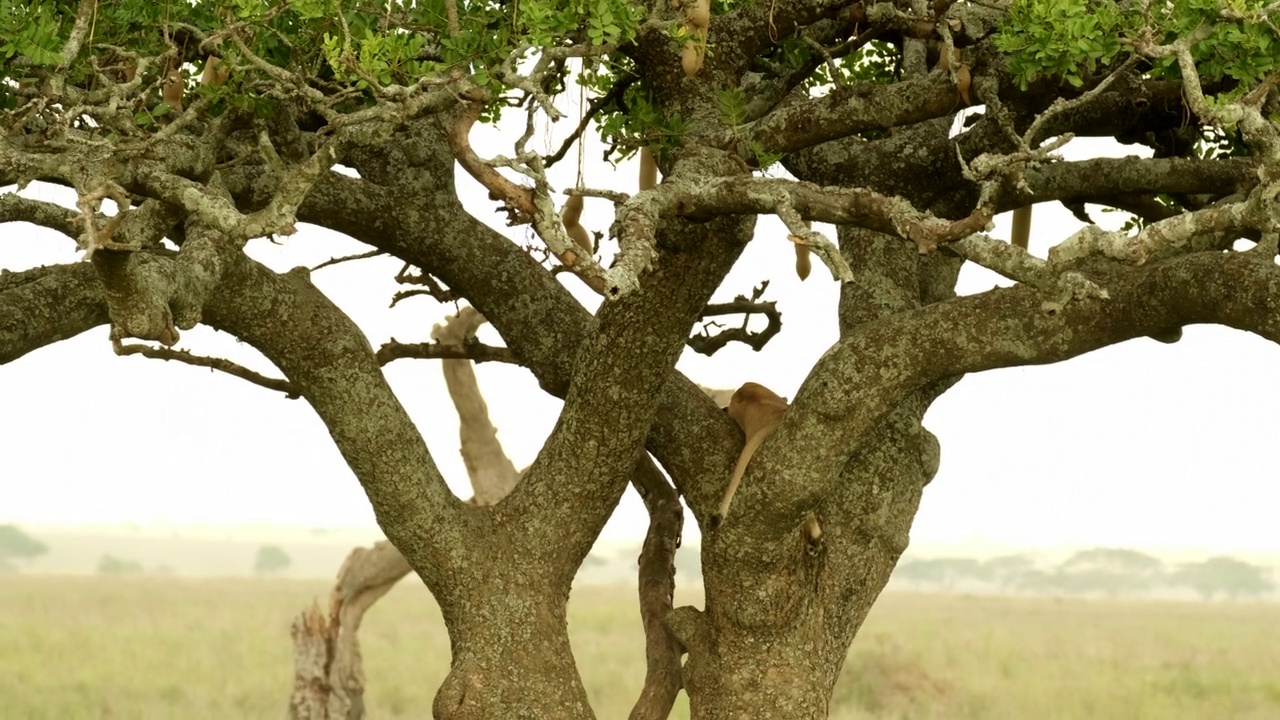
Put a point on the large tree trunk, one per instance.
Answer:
(748, 675)
(328, 670)
(781, 615)
(511, 657)
(773, 639)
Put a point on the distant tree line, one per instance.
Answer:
(15, 546)
(1098, 572)
(1106, 572)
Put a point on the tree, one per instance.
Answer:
(353, 120)
(941, 572)
(1111, 571)
(17, 545)
(112, 565)
(271, 559)
(1225, 576)
(1009, 571)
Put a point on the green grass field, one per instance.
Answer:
(159, 648)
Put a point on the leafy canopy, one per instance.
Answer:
(1073, 39)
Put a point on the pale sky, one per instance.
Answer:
(1160, 447)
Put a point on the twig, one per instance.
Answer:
(708, 344)
(347, 258)
(476, 352)
(1061, 105)
(213, 363)
(593, 108)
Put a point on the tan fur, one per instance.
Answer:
(697, 21)
(171, 88)
(215, 72)
(757, 410)
(648, 170)
(570, 216)
(1021, 233)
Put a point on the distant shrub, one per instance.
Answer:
(1225, 576)
(271, 559)
(112, 565)
(17, 545)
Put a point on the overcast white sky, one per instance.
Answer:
(1163, 447)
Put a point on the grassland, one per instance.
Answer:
(160, 648)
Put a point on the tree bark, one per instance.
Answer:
(328, 673)
(511, 656)
(780, 614)
(328, 670)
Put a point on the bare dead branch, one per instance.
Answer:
(491, 472)
(593, 109)
(476, 352)
(657, 579)
(213, 363)
(328, 677)
(431, 287)
(708, 344)
(348, 258)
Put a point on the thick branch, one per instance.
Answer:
(920, 162)
(856, 206)
(152, 296)
(865, 375)
(1096, 179)
(849, 110)
(605, 419)
(491, 471)
(513, 291)
(657, 579)
(43, 306)
(326, 357)
(15, 208)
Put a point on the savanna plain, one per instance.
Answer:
(169, 647)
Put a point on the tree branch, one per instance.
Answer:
(708, 344)
(213, 363)
(573, 486)
(15, 208)
(45, 305)
(657, 580)
(471, 351)
(865, 375)
(326, 357)
(844, 206)
(846, 111)
(512, 290)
